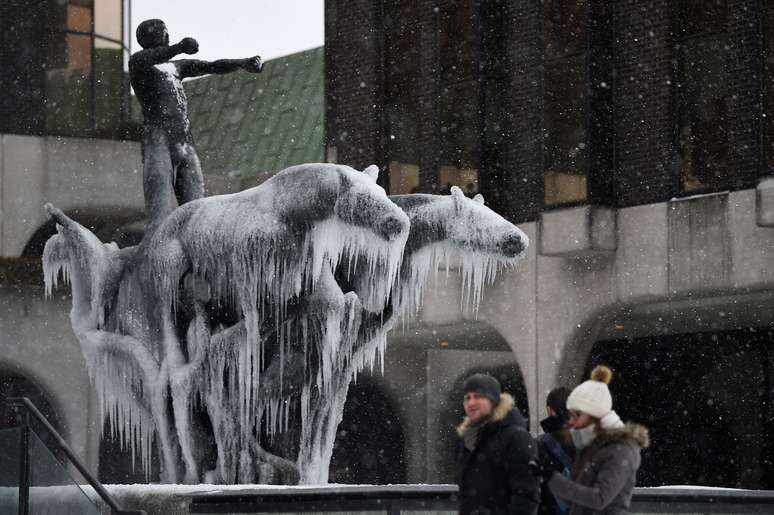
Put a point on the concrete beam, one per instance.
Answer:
(578, 232)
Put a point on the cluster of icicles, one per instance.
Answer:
(259, 273)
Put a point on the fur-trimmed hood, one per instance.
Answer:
(504, 412)
(636, 432)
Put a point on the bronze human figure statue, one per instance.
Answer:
(171, 168)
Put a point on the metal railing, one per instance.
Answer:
(26, 409)
(442, 500)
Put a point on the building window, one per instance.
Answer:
(702, 94)
(566, 101)
(768, 87)
(460, 105)
(86, 86)
(401, 106)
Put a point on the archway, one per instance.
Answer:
(369, 446)
(706, 398)
(15, 383)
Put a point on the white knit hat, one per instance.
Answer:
(593, 396)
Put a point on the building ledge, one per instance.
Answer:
(764, 202)
(578, 232)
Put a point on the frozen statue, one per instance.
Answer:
(171, 168)
(246, 316)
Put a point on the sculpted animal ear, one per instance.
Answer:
(458, 196)
(372, 171)
(479, 198)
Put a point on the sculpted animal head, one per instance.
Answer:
(309, 193)
(364, 203)
(453, 230)
(472, 226)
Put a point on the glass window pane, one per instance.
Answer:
(703, 142)
(768, 86)
(460, 137)
(68, 86)
(565, 116)
(9, 470)
(52, 489)
(403, 154)
(109, 86)
(73, 15)
(107, 18)
(79, 16)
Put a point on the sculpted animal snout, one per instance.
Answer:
(391, 226)
(513, 245)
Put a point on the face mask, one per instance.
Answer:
(581, 438)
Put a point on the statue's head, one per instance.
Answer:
(152, 33)
(474, 227)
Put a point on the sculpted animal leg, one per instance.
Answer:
(339, 315)
(183, 383)
(167, 445)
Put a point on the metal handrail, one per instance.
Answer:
(24, 402)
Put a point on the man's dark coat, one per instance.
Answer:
(494, 478)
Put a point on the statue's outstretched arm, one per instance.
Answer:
(162, 54)
(195, 68)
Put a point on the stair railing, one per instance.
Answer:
(26, 408)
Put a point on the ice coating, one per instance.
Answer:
(445, 231)
(260, 305)
(287, 234)
(251, 254)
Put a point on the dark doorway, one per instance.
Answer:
(369, 447)
(511, 381)
(707, 400)
(15, 384)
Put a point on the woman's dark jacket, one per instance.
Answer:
(555, 435)
(494, 478)
(604, 473)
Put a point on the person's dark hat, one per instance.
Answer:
(557, 401)
(485, 385)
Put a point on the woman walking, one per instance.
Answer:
(608, 452)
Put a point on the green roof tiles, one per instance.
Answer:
(244, 124)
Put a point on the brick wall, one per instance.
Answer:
(353, 81)
(744, 67)
(644, 102)
(633, 157)
(521, 187)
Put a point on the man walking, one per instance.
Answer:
(495, 448)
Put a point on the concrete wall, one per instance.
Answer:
(36, 341)
(687, 265)
(99, 176)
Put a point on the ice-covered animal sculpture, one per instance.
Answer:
(248, 254)
(446, 230)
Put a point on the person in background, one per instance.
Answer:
(608, 453)
(493, 454)
(555, 444)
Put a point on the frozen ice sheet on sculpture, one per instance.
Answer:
(445, 229)
(255, 251)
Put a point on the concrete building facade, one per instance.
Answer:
(631, 145)
(631, 142)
